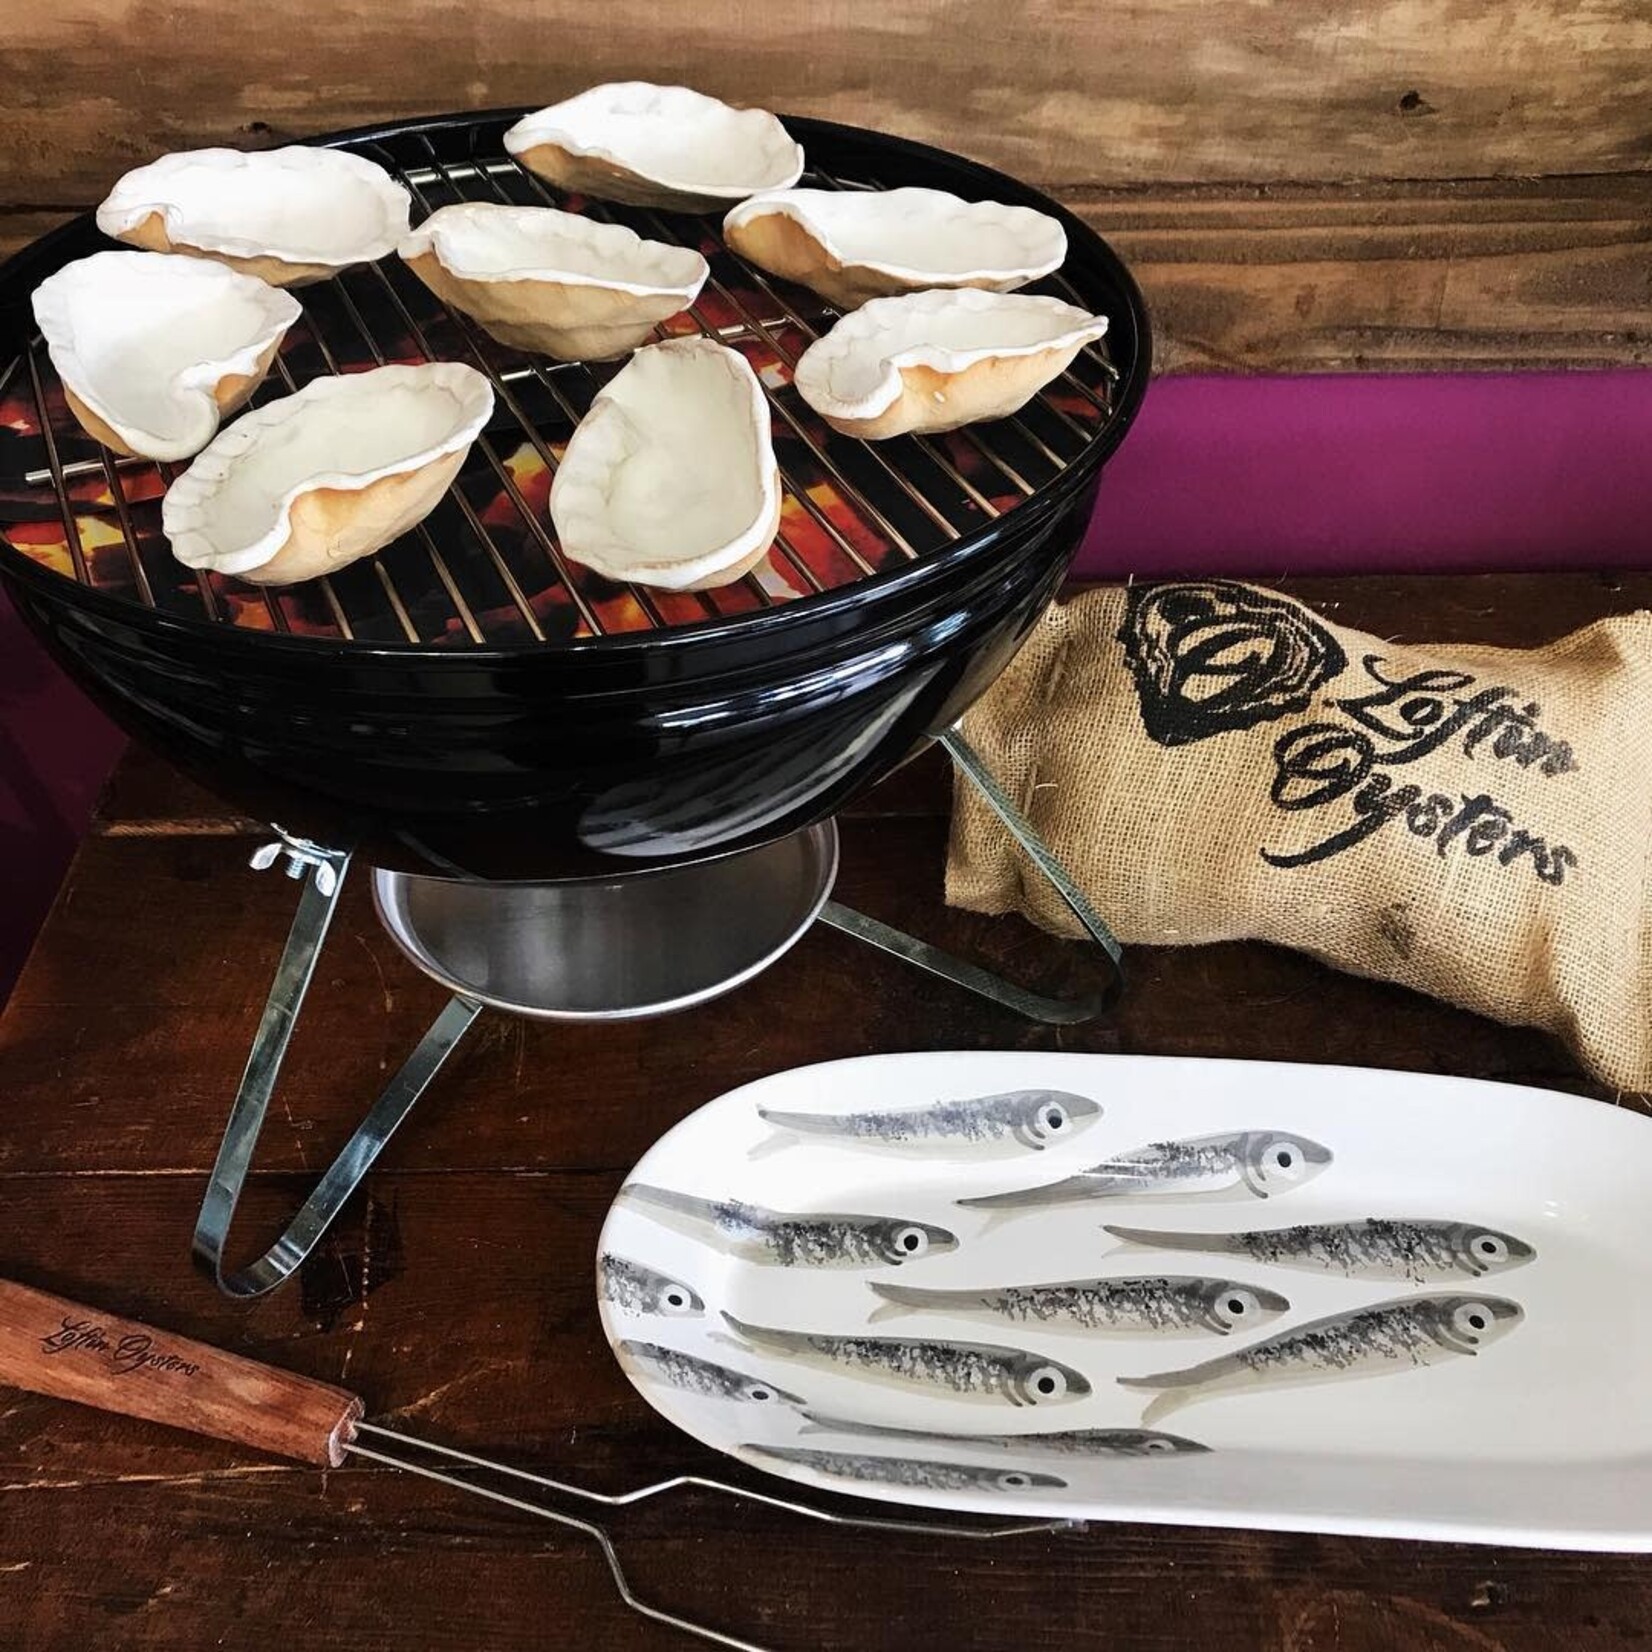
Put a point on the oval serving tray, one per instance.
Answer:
(841, 1275)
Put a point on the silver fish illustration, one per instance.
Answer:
(1260, 1162)
(1069, 1442)
(641, 1290)
(1381, 1247)
(910, 1471)
(812, 1241)
(968, 1370)
(1167, 1304)
(1369, 1342)
(703, 1376)
(1029, 1118)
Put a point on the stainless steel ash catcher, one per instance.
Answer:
(575, 950)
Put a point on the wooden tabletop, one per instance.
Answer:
(455, 1294)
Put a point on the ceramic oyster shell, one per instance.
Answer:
(850, 245)
(153, 349)
(288, 216)
(550, 281)
(937, 360)
(333, 472)
(670, 479)
(656, 146)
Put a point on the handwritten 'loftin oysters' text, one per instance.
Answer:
(130, 1352)
(1400, 721)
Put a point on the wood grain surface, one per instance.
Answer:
(1059, 91)
(1391, 184)
(455, 1293)
(1416, 277)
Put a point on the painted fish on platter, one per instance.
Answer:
(1380, 1247)
(1065, 1442)
(1032, 1119)
(1260, 1163)
(1166, 1304)
(1378, 1341)
(694, 1375)
(816, 1240)
(643, 1290)
(910, 1471)
(956, 1370)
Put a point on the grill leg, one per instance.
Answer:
(1035, 1006)
(1021, 829)
(322, 871)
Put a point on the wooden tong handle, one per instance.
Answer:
(49, 1346)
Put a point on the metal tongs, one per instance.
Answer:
(57, 1348)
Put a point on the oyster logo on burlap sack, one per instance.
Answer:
(1214, 657)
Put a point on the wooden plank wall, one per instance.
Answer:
(1303, 185)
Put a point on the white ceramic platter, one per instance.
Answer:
(1454, 1347)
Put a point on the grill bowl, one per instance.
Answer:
(397, 709)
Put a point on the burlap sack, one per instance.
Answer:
(1215, 762)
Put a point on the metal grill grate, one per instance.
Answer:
(485, 568)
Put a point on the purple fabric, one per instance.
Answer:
(1365, 474)
(55, 750)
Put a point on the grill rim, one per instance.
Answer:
(894, 585)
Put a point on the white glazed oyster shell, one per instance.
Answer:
(288, 216)
(554, 282)
(850, 245)
(670, 479)
(153, 349)
(937, 360)
(656, 146)
(328, 474)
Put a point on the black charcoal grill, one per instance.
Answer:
(469, 700)
(469, 705)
